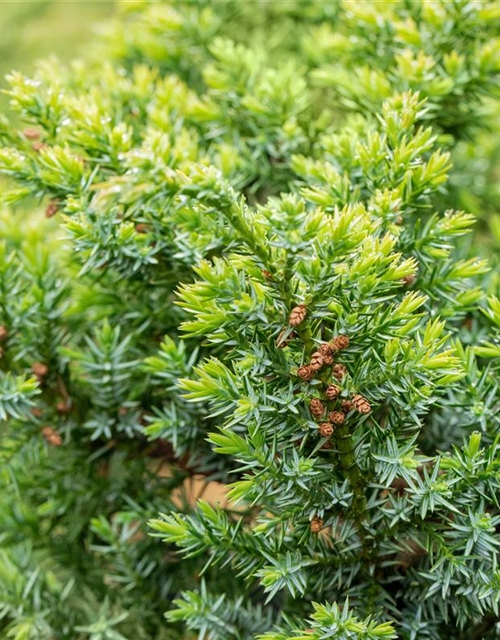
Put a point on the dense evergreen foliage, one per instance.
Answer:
(252, 272)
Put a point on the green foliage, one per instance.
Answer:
(15, 396)
(216, 617)
(239, 191)
(332, 622)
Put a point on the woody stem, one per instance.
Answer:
(345, 446)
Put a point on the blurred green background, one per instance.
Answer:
(33, 29)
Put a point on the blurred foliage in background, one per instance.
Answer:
(34, 29)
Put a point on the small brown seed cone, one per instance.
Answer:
(305, 372)
(408, 280)
(4, 334)
(339, 371)
(31, 134)
(63, 407)
(341, 342)
(52, 436)
(325, 348)
(325, 429)
(332, 391)
(38, 146)
(40, 369)
(142, 228)
(316, 407)
(347, 406)
(328, 445)
(298, 315)
(337, 417)
(361, 404)
(316, 361)
(316, 525)
(52, 208)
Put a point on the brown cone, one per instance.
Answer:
(325, 429)
(63, 407)
(316, 407)
(40, 369)
(337, 417)
(347, 406)
(361, 404)
(38, 146)
(52, 436)
(341, 342)
(52, 208)
(31, 134)
(305, 372)
(339, 371)
(325, 348)
(332, 391)
(408, 280)
(316, 525)
(316, 361)
(298, 315)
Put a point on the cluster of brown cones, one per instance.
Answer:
(336, 418)
(324, 356)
